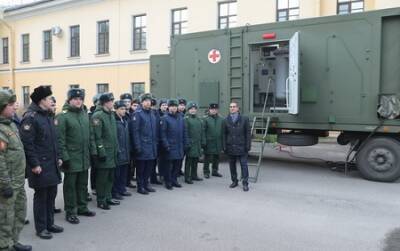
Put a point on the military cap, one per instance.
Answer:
(153, 102)
(182, 101)
(172, 102)
(40, 93)
(6, 97)
(145, 96)
(106, 97)
(76, 93)
(119, 104)
(135, 101)
(95, 98)
(163, 101)
(126, 96)
(191, 104)
(213, 106)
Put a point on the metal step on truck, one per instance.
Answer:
(300, 80)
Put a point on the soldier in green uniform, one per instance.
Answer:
(213, 135)
(106, 146)
(12, 177)
(74, 139)
(195, 134)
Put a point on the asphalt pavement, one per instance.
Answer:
(298, 203)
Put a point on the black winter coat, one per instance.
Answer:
(124, 145)
(236, 137)
(38, 134)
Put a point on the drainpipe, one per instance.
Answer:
(11, 56)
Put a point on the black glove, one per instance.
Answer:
(65, 165)
(102, 158)
(7, 192)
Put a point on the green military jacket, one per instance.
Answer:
(213, 134)
(194, 129)
(74, 137)
(12, 156)
(105, 137)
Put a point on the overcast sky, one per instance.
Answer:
(15, 2)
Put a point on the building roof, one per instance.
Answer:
(18, 7)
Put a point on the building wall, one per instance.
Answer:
(122, 65)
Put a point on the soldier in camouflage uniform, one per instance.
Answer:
(12, 177)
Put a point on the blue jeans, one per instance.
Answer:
(244, 168)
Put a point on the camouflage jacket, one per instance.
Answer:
(12, 156)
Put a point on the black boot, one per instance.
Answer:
(234, 184)
(19, 247)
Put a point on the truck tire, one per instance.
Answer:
(379, 159)
(293, 139)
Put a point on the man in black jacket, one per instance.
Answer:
(38, 134)
(236, 141)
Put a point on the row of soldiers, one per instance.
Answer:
(111, 138)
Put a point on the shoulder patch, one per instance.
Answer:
(64, 111)
(27, 127)
(3, 145)
(56, 122)
(96, 121)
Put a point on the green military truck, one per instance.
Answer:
(305, 77)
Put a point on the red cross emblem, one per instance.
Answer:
(214, 56)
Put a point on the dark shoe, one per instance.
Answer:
(26, 222)
(142, 191)
(19, 247)
(150, 189)
(197, 179)
(234, 184)
(169, 187)
(103, 206)
(94, 192)
(117, 197)
(113, 202)
(207, 176)
(217, 175)
(57, 210)
(88, 213)
(72, 219)
(156, 182)
(130, 185)
(89, 198)
(188, 182)
(45, 235)
(126, 194)
(55, 229)
(176, 184)
(180, 173)
(246, 188)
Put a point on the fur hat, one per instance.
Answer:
(119, 104)
(145, 96)
(126, 96)
(76, 93)
(190, 105)
(40, 93)
(182, 101)
(106, 97)
(6, 97)
(173, 102)
(213, 106)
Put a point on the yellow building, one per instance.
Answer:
(105, 45)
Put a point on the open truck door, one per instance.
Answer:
(293, 79)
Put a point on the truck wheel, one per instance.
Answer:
(293, 139)
(379, 159)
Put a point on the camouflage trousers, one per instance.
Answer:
(12, 218)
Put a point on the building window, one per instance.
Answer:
(227, 15)
(139, 32)
(73, 86)
(102, 88)
(25, 95)
(103, 32)
(47, 44)
(350, 6)
(25, 48)
(5, 50)
(74, 41)
(287, 10)
(179, 21)
(137, 89)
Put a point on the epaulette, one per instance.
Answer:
(64, 111)
(29, 114)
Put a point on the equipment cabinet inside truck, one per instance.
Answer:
(274, 77)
